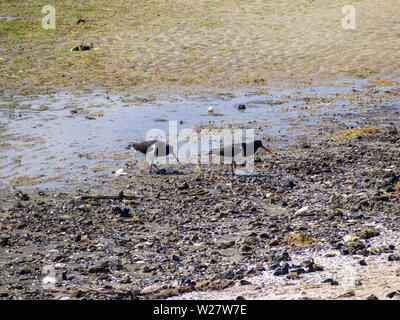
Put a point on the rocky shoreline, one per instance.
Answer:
(162, 236)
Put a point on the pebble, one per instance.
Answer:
(393, 257)
(176, 258)
(24, 197)
(391, 295)
(244, 282)
(282, 270)
(183, 186)
(363, 263)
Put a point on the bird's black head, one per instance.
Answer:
(258, 144)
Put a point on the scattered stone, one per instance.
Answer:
(282, 270)
(4, 242)
(176, 258)
(367, 233)
(101, 268)
(357, 283)
(227, 244)
(299, 239)
(301, 212)
(126, 279)
(82, 47)
(293, 275)
(152, 289)
(85, 207)
(391, 295)
(363, 263)
(372, 297)
(24, 197)
(347, 294)
(66, 277)
(183, 186)
(79, 294)
(393, 257)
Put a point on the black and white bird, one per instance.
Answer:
(153, 149)
(236, 152)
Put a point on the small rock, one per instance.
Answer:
(392, 294)
(289, 184)
(183, 186)
(101, 268)
(82, 47)
(315, 267)
(79, 294)
(225, 245)
(347, 294)
(367, 233)
(146, 269)
(120, 172)
(241, 107)
(176, 258)
(85, 207)
(293, 276)
(282, 270)
(4, 242)
(331, 281)
(393, 257)
(245, 248)
(240, 298)
(357, 283)
(126, 213)
(126, 279)
(66, 277)
(24, 197)
(363, 263)
(244, 282)
(372, 297)
(301, 211)
(151, 289)
(299, 239)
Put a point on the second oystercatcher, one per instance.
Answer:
(153, 149)
(238, 151)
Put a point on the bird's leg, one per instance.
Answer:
(151, 166)
(232, 167)
(174, 155)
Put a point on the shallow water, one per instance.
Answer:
(50, 136)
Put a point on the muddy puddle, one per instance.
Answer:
(64, 138)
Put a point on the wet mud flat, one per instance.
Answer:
(69, 140)
(321, 204)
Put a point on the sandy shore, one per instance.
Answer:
(139, 45)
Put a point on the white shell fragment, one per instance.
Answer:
(120, 172)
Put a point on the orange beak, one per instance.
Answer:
(266, 149)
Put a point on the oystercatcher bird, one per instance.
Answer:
(238, 151)
(153, 149)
